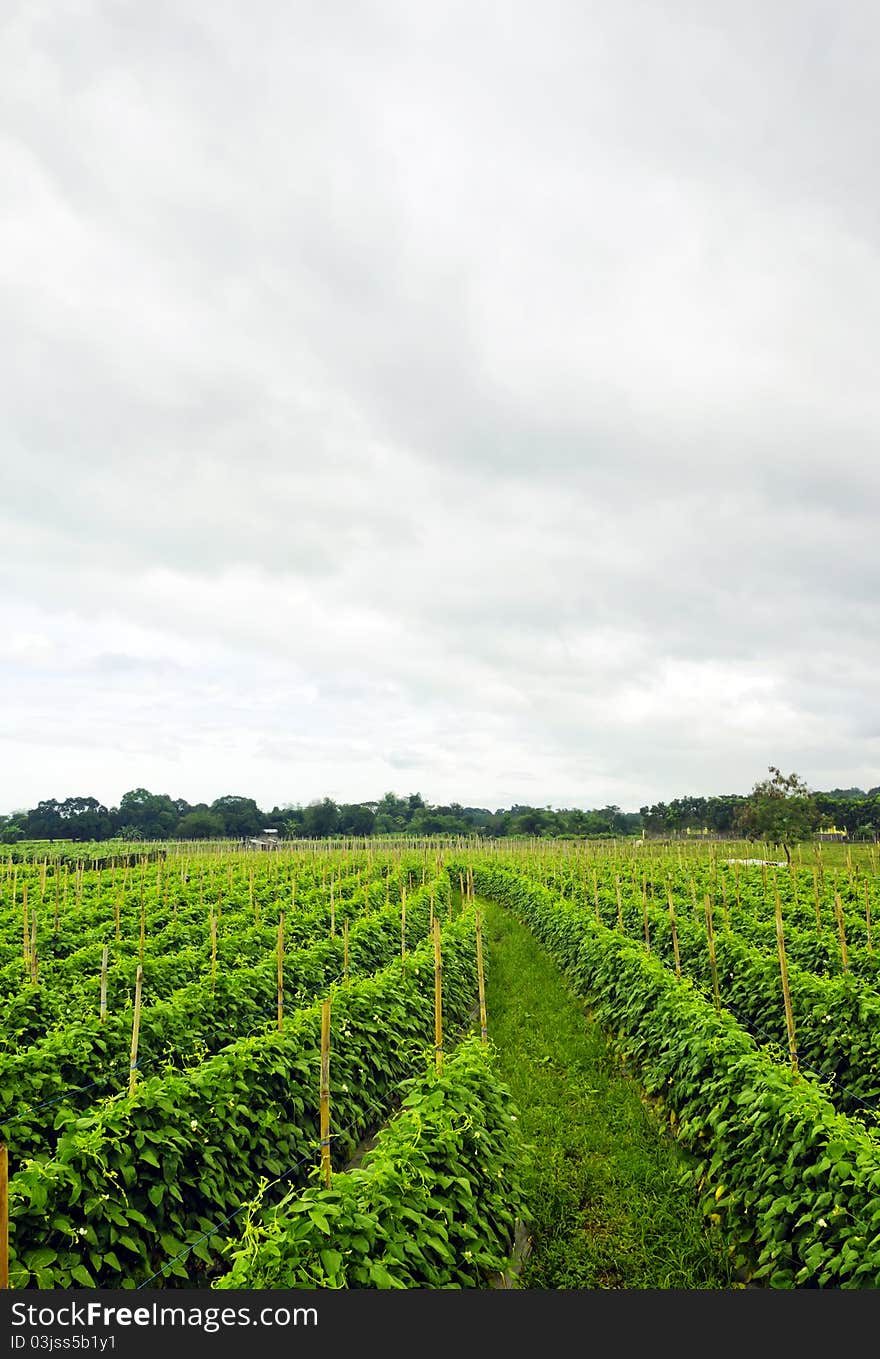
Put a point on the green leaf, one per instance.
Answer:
(380, 1276)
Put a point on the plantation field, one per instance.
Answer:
(167, 1131)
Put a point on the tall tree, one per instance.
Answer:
(780, 810)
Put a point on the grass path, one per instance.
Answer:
(608, 1206)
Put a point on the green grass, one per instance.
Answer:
(609, 1205)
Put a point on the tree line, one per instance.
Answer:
(142, 815)
(778, 807)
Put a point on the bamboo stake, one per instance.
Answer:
(34, 972)
(786, 993)
(724, 902)
(345, 949)
(403, 927)
(674, 929)
(710, 935)
(645, 912)
(868, 917)
(325, 1092)
(838, 911)
(4, 1216)
(213, 928)
(280, 952)
(143, 930)
(438, 1000)
(481, 981)
(25, 922)
(596, 897)
(55, 910)
(816, 901)
(135, 1030)
(332, 911)
(105, 955)
(619, 902)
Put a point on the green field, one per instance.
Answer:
(678, 1087)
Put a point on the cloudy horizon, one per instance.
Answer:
(477, 400)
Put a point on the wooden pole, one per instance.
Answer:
(838, 911)
(619, 902)
(481, 981)
(34, 966)
(868, 917)
(438, 1000)
(596, 897)
(4, 1216)
(332, 911)
(105, 955)
(786, 994)
(710, 935)
(325, 1092)
(816, 901)
(281, 972)
(345, 949)
(403, 926)
(135, 1030)
(673, 928)
(645, 912)
(25, 933)
(213, 927)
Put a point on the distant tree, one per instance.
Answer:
(780, 810)
(12, 828)
(130, 833)
(394, 814)
(531, 821)
(356, 818)
(154, 814)
(321, 819)
(199, 824)
(45, 822)
(241, 816)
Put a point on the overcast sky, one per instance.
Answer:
(478, 399)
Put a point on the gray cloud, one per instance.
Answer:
(481, 397)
